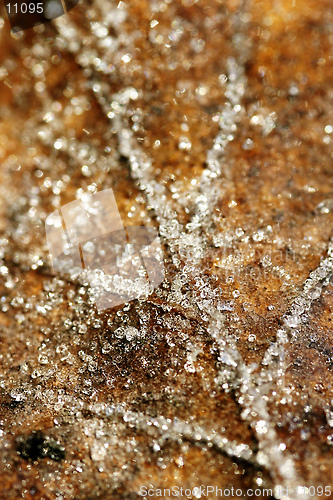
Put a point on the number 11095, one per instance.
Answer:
(25, 8)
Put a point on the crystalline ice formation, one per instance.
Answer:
(211, 124)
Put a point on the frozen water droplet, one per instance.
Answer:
(131, 333)
(292, 321)
(184, 143)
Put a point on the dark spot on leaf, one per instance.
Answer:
(37, 445)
